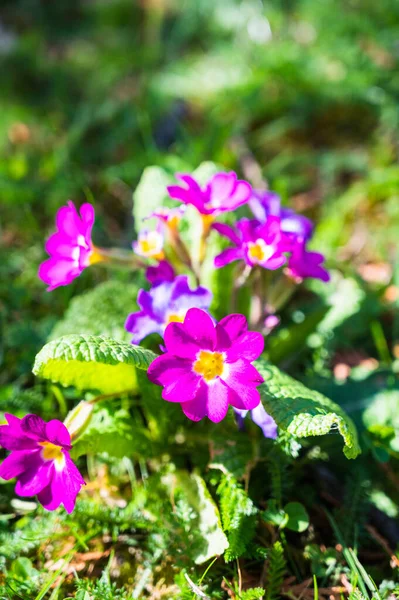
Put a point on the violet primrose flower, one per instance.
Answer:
(261, 418)
(149, 244)
(163, 271)
(223, 192)
(265, 204)
(304, 264)
(40, 461)
(70, 248)
(167, 302)
(207, 367)
(256, 243)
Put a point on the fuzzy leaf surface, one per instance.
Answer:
(304, 412)
(89, 362)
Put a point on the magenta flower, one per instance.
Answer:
(265, 204)
(256, 243)
(163, 271)
(261, 418)
(304, 264)
(40, 461)
(207, 367)
(223, 192)
(166, 302)
(70, 248)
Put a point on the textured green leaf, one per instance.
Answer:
(304, 412)
(90, 362)
(207, 526)
(101, 311)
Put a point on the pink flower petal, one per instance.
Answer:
(166, 368)
(183, 388)
(235, 325)
(249, 346)
(13, 465)
(57, 433)
(63, 487)
(199, 326)
(179, 342)
(36, 476)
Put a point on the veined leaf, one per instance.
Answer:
(304, 412)
(209, 539)
(90, 362)
(101, 311)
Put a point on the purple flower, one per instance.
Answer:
(163, 271)
(207, 367)
(303, 264)
(271, 322)
(256, 243)
(261, 418)
(149, 244)
(223, 192)
(70, 248)
(167, 302)
(40, 461)
(265, 204)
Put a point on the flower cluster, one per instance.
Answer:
(206, 366)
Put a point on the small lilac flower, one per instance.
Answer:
(271, 322)
(261, 418)
(207, 367)
(40, 461)
(163, 271)
(149, 244)
(167, 302)
(256, 243)
(70, 248)
(223, 192)
(304, 264)
(168, 216)
(265, 204)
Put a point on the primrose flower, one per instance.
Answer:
(163, 271)
(168, 216)
(40, 461)
(167, 302)
(207, 367)
(223, 192)
(149, 244)
(70, 248)
(261, 418)
(265, 204)
(256, 243)
(304, 264)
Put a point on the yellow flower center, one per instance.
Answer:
(174, 318)
(151, 245)
(52, 452)
(259, 251)
(209, 364)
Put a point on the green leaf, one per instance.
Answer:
(298, 518)
(304, 412)
(90, 362)
(207, 526)
(101, 311)
(253, 594)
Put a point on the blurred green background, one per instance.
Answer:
(301, 94)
